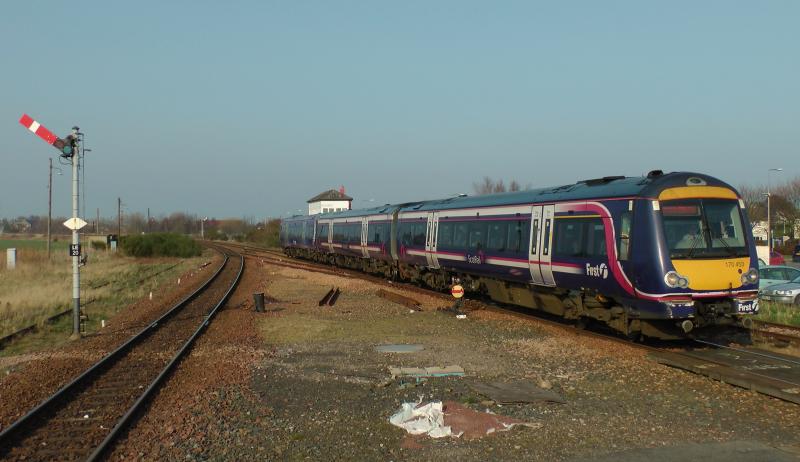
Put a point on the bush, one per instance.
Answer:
(160, 245)
(787, 248)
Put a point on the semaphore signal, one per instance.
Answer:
(68, 146)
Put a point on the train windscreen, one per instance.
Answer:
(703, 228)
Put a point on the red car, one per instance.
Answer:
(776, 259)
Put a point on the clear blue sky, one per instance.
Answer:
(252, 108)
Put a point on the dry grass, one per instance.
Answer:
(779, 313)
(39, 288)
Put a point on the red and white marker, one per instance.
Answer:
(37, 128)
(457, 291)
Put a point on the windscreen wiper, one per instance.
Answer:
(697, 237)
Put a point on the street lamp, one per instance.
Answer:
(769, 214)
(202, 229)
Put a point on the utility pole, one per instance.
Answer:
(119, 218)
(148, 221)
(49, 207)
(97, 223)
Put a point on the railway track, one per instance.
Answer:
(770, 373)
(82, 420)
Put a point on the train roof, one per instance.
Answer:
(607, 187)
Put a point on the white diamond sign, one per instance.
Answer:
(75, 224)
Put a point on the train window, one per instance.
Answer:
(477, 235)
(516, 231)
(596, 239)
(535, 236)
(338, 235)
(624, 236)
(460, 231)
(496, 240)
(546, 240)
(569, 238)
(445, 235)
(418, 238)
(404, 233)
(374, 232)
(580, 238)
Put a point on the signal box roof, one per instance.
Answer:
(330, 195)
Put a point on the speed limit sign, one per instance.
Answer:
(457, 291)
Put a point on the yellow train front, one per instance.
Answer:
(693, 262)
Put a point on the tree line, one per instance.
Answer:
(247, 228)
(784, 203)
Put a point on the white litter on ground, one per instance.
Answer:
(419, 419)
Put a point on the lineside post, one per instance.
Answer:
(76, 240)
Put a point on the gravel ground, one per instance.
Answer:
(305, 383)
(29, 379)
(301, 382)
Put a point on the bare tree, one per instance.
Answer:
(754, 202)
(490, 186)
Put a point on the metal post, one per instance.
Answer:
(769, 214)
(49, 207)
(202, 230)
(76, 240)
(769, 223)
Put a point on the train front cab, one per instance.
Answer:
(702, 268)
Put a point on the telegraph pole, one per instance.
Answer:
(119, 217)
(49, 207)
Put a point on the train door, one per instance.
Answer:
(430, 239)
(364, 231)
(541, 239)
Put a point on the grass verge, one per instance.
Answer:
(779, 313)
(38, 289)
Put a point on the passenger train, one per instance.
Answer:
(654, 256)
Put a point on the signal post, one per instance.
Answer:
(69, 147)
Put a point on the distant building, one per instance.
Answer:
(22, 225)
(329, 201)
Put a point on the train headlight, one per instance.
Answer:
(673, 279)
(750, 277)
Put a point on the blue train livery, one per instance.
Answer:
(656, 256)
